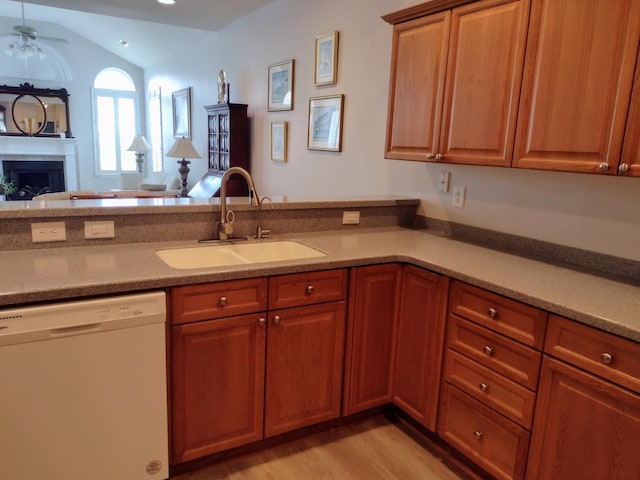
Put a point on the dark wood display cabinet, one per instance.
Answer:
(227, 146)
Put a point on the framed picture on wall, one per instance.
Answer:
(279, 141)
(326, 64)
(325, 123)
(181, 101)
(280, 83)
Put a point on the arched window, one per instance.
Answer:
(115, 120)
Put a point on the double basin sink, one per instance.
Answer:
(221, 255)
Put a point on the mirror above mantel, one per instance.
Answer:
(37, 112)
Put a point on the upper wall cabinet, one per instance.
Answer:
(578, 75)
(455, 83)
(630, 161)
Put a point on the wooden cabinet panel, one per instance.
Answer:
(370, 348)
(514, 319)
(418, 65)
(420, 340)
(305, 353)
(512, 359)
(507, 397)
(496, 444)
(193, 303)
(217, 385)
(614, 358)
(630, 161)
(584, 427)
(484, 72)
(579, 67)
(307, 288)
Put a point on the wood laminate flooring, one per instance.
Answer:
(373, 449)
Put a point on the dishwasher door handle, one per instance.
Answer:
(60, 332)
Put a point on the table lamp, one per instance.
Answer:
(140, 146)
(183, 148)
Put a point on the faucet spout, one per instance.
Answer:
(225, 227)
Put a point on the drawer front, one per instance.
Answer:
(507, 397)
(194, 303)
(512, 359)
(614, 358)
(307, 288)
(514, 319)
(492, 441)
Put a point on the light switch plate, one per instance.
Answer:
(101, 229)
(443, 182)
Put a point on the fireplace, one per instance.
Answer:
(39, 165)
(34, 177)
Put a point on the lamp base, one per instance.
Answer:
(183, 170)
(139, 161)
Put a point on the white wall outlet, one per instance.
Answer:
(443, 182)
(101, 229)
(351, 218)
(458, 196)
(48, 232)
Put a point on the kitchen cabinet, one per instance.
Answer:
(578, 74)
(263, 371)
(587, 422)
(419, 343)
(373, 300)
(630, 161)
(455, 84)
(492, 362)
(217, 366)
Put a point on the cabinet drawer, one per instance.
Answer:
(517, 320)
(307, 288)
(194, 303)
(602, 353)
(492, 441)
(512, 359)
(507, 397)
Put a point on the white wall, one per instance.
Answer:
(585, 211)
(84, 59)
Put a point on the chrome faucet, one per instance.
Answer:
(225, 227)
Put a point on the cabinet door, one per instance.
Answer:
(584, 427)
(418, 66)
(484, 72)
(370, 345)
(305, 352)
(579, 68)
(217, 384)
(630, 161)
(419, 344)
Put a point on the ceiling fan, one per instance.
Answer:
(25, 46)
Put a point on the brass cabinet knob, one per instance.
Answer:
(223, 301)
(623, 168)
(430, 156)
(262, 321)
(478, 434)
(606, 358)
(493, 312)
(439, 156)
(310, 289)
(604, 166)
(487, 350)
(276, 319)
(484, 387)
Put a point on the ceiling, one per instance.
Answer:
(151, 29)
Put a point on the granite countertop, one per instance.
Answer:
(52, 274)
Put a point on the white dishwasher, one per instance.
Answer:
(83, 391)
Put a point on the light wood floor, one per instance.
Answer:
(373, 449)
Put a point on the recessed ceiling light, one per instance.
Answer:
(124, 43)
(167, 2)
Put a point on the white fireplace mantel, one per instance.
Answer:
(44, 147)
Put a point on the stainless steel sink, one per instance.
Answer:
(202, 256)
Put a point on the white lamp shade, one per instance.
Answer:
(183, 149)
(139, 144)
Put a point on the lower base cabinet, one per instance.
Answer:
(585, 427)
